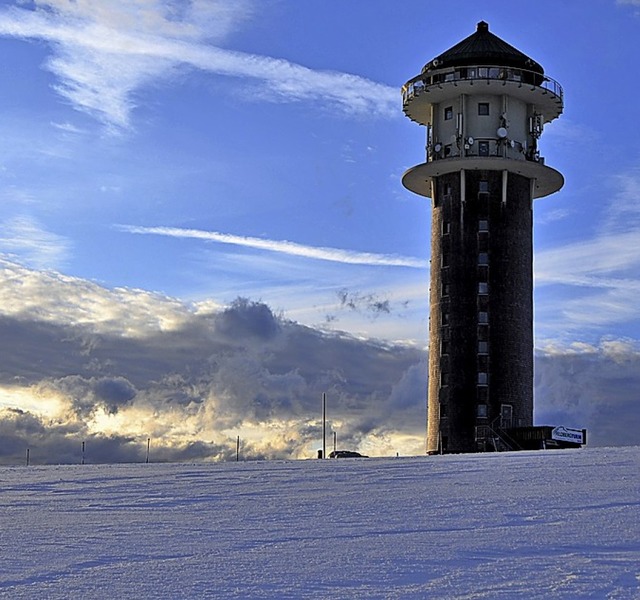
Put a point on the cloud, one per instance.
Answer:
(25, 237)
(283, 247)
(595, 387)
(372, 304)
(104, 54)
(114, 368)
(603, 272)
(50, 298)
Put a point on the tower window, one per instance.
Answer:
(448, 113)
(483, 225)
(483, 108)
(445, 290)
(443, 410)
(483, 148)
(483, 186)
(444, 347)
(483, 317)
(483, 287)
(444, 379)
(483, 394)
(483, 347)
(483, 258)
(446, 227)
(482, 411)
(483, 378)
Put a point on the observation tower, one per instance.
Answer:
(484, 105)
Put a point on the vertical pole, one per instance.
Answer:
(237, 448)
(148, 444)
(324, 425)
(335, 435)
(27, 457)
(82, 461)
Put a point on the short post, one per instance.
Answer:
(335, 443)
(237, 448)
(27, 457)
(82, 461)
(148, 444)
(324, 425)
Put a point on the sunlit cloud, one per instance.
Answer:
(283, 247)
(103, 54)
(117, 367)
(99, 364)
(51, 297)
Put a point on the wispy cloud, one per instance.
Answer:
(591, 262)
(284, 247)
(104, 53)
(603, 272)
(25, 238)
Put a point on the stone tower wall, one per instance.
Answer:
(481, 295)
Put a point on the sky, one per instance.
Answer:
(202, 225)
(519, 525)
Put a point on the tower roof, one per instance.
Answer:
(483, 48)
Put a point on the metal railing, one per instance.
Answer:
(425, 81)
(497, 431)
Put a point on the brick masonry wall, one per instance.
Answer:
(454, 362)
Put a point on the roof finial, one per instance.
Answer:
(483, 26)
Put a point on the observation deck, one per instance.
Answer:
(497, 152)
(436, 86)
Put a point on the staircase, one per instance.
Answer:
(495, 437)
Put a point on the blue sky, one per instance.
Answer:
(161, 158)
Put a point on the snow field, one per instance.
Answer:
(556, 524)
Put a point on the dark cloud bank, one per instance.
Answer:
(219, 373)
(245, 371)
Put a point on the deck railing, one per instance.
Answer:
(424, 81)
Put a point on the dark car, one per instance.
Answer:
(346, 454)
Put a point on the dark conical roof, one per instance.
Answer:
(483, 48)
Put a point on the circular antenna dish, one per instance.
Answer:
(512, 144)
(438, 147)
(470, 141)
(502, 132)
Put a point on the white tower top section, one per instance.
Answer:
(484, 104)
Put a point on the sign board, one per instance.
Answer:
(565, 434)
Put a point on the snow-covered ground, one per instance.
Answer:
(556, 524)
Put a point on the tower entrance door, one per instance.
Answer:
(506, 416)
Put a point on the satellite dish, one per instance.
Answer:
(502, 132)
(512, 144)
(470, 141)
(438, 147)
